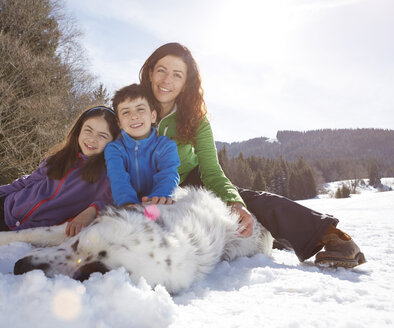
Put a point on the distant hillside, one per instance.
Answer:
(318, 145)
(344, 145)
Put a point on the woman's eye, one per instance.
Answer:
(179, 76)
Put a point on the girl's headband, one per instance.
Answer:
(100, 107)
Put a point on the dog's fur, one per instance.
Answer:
(188, 239)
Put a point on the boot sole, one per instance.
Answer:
(341, 262)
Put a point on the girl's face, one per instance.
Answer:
(94, 136)
(168, 79)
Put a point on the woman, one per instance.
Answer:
(172, 77)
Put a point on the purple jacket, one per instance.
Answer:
(35, 200)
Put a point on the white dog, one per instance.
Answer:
(183, 245)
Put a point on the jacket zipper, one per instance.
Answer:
(136, 166)
(165, 130)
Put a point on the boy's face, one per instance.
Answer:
(136, 118)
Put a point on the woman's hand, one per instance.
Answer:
(82, 220)
(245, 219)
(156, 200)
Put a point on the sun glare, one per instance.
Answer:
(264, 28)
(66, 304)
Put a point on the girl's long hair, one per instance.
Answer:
(190, 102)
(65, 155)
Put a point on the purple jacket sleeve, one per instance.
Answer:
(24, 181)
(105, 198)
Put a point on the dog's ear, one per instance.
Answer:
(86, 270)
(25, 265)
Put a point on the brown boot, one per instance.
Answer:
(340, 250)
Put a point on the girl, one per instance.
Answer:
(171, 75)
(69, 185)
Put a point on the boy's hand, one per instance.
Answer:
(156, 200)
(82, 220)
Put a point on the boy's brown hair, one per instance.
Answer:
(131, 92)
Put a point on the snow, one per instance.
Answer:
(260, 291)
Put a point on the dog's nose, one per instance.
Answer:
(84, 271)
(25, 265)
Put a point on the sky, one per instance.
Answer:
(259, 291)
(266, 65)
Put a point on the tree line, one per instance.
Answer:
(294, 180)
(332, 154)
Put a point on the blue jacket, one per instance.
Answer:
(137, 168)
(36, 201)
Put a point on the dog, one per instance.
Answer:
(184, 243)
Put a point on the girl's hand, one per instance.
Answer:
(157, 200)
(245, 219)
(82, 220)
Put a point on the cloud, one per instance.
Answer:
(266, 65)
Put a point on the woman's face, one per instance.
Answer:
(168, 79)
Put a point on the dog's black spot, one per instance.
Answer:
(68, 257)
(88, 258)
(163, 243)
(148, 228)
(102, 254)
(125, 246)
(61, 250)
(132, 209)
(84, 271)
(168, 261)
(48, 230)
(151, 239)
(74, 246)
(151, 255)
(194, 240)
(25, 265)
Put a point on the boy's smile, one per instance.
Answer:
(136, 118)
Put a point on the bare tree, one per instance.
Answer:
(43, 82)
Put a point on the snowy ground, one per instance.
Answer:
(249, 292)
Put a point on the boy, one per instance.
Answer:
(141, 165)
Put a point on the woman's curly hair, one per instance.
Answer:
(191, 108)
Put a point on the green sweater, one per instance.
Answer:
(203, 154)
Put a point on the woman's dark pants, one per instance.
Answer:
(290, 223)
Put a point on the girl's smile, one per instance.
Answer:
(94, 136)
